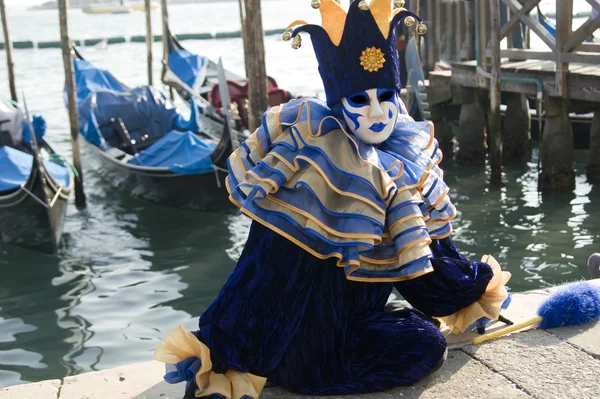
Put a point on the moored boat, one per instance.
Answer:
(35, 184)
(121, 7)
(196, 76)
(137, 140)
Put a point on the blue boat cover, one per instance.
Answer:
(89, 79)
(14, 130)
(183, 153)
(39, 127)
(16, 168)
(189, 68)
(147, 114)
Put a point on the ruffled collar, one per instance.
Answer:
(374, 208)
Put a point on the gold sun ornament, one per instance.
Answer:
(372, 59)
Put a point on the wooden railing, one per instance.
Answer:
(452, 34)
(567, 47)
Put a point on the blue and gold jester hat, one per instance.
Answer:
(356, 50)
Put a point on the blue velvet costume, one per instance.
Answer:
(295, 319)
(337, 225)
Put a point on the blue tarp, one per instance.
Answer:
(190, 68)
(89, 79)
(16, 168)
(39, 127)
(183, 153)
(145, 112)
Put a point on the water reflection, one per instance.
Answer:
(543, 239)
(30, 344)
(127, 271)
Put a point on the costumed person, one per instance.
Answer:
(347, 202)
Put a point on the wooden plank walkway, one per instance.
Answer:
(583, 80)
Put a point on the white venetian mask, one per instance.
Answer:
(371, 114)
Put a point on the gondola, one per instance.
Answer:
(138, 141)
(33, 192)
(195, 76)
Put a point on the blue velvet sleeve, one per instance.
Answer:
(454, 284)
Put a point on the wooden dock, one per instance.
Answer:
(465, 35)
(583, 80)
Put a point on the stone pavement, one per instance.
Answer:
(552, 364)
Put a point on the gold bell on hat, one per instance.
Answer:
(296, 42)
(287, 35)
(363, 5)
(315, 4)
(421, 29)
(409, 21)
(399, 3)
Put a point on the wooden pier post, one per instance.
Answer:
(556, 148)
(441, 117)
(149, 39)
(165, 39)
(255, 64)
(244, 41)
(593, 167)
(494, 118)
(516, 131)
(448, 45)
(63, 6)
(472, 144)
(430, 44)
(9, 53)
(469, 30)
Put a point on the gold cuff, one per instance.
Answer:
(487, 306)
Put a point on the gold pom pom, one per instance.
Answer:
(363, 5)
(421, 29)
(409, 21)
(296, 42)
(315, 4)
(399, 3)
(287, 35)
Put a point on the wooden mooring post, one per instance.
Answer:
(494, 118)
(255, 64)
(149, 39)
(165, 40)
(593, 167)
(9, 53)
(63, 6)
(244, 41)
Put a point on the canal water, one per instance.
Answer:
(128, 270)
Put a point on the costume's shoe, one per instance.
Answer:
(399, 306)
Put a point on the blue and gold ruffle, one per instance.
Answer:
(188, 359)
(375, 209)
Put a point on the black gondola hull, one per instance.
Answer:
(33, 215)
(204, 192)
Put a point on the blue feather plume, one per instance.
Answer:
(572, 305)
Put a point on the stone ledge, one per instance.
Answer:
(546, 364)
(37, 390)
(121, 382)
(542, 364)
